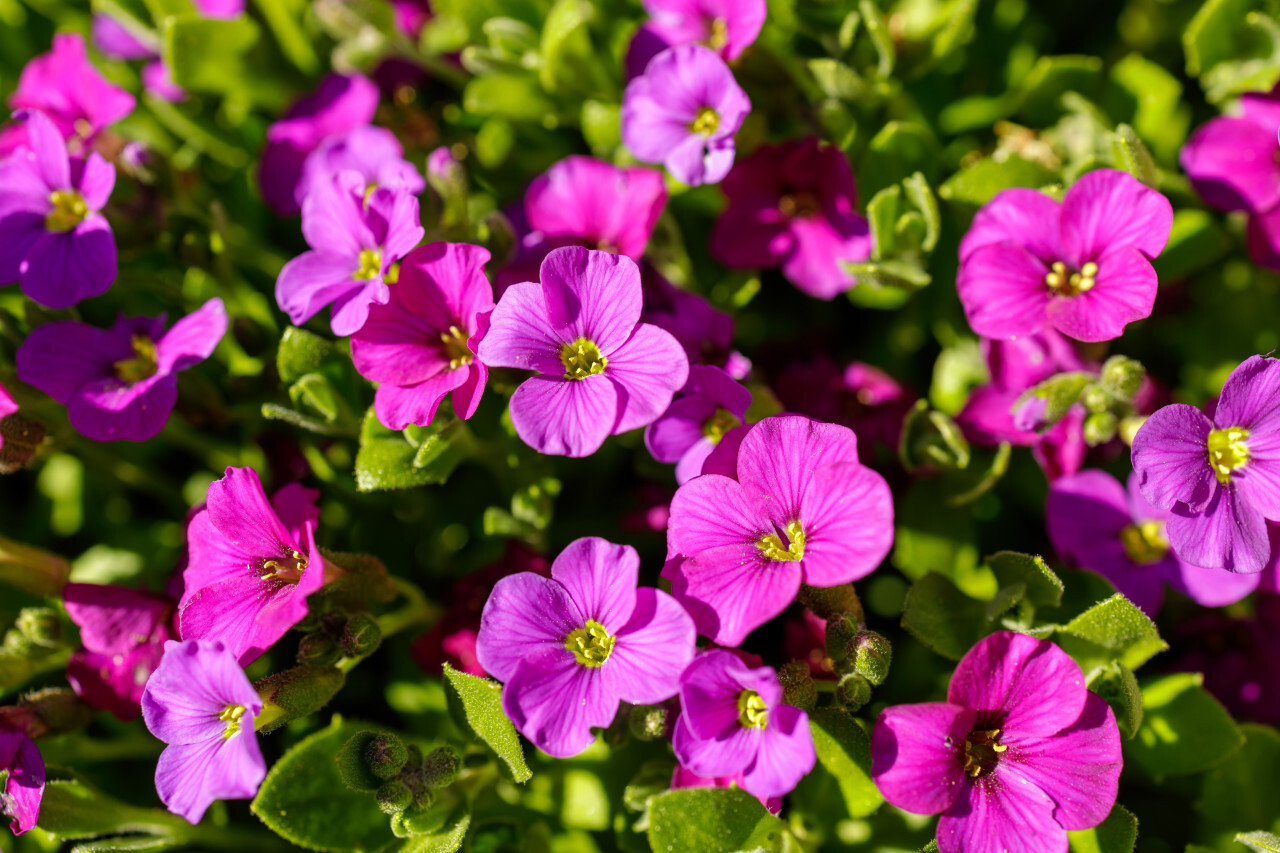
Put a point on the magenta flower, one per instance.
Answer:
(683, 777)
(864, 398)
(339, 104)
(119, 384)
(1082, 267)
(53, 239)
(373, 152)
(734, 721)
(573, 646)
(251, 564)
(123, 632)
(794, 206)
(1219, 477)
(1020, 753)
(1095, 523)
(599, 370)
(683, 113)
(709, 405)
(7, 407)
(354, 242)
(705, 332)
(65, 86)
(421, 345)
(726, 26)
(24, 788)
(202, 705)
(802, 509)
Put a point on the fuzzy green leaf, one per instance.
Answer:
(476, 704)
(1117, 834)
(1044, 588)
(1113, 629)
(1184, 729)
(1263, 842)
(942, 617)
(979, 183)
(711, 820)
(300, 353)
(845, 751)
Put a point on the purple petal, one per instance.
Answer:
(731, 590)
(525, 613)
(466, 398)
(398, 208)
(190, 776)
(679, 428)
(1002, 288)
(19, 231)
(311, 281)
(1125, 291)
(564, 417)
(1213, 587)
(651, 651)
(816, 263)
(195, 682)
(709, 691)
(61, 269)
(785, 754)
(1170, 457)
(690, 464)
(780, 453)
(350, 308)
(50, 150)
(847, 510)
(24, 788)
(1232, 164)
(601, 579)
(1227, 533)
(398, 406)
(713, 511)
(593, 295)
(1263, 236)
(1108, 209)
(917, 755)
(647, 370)
(726, 754)
(1085, 514)
(239, 510)
(333, 217)
(116, 41)
(521, 335)
(1251, 398)
(97, 180)
(1032, 686)
(588, 199)
(193, 338)
(723, 459)
(110, 410)
(1025, 217)
(114, 619)
(295, 504)
(555, 702)
(61, 358)
(994, 815)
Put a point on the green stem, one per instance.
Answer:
(418, 608)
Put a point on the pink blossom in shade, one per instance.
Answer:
(1095, 523)
(411, 16)
(726, 26)
(1219, 476)
(683, 112)
(794, 206)
(119, 384)
(159, 82)
(421, 345)
(705, 332)
(355, 241)
(339, 104)
(65, 86)
(117, 41)
(864, 398)
(709, 405)
(203, 706)
(372, 151)
(54, 239)
(7, 407)
(1082, 267)
(24, 786)
(1238, 657)
(683, 777)
(733, 722)
(805, 638)
(1019, 754)
(571, 647)
(122, 634)
(251, 564)
(599, 371)
(802, 509)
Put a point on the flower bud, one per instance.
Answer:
(318, 649)
(1029, 413)
(798, 688)
(648, 722)
(427, 814)
(59, 710)
(37, 632)
(361, 636)
(853, 692)
(386, 755)
(871, 655)
(440, 768)
(1123, 376)
(354, 765)
(394, 797)
(1099, 428)
(839, 632)
(296, 693)
(831, 602)
(1129, 428)
(31, 569)
(931, 440)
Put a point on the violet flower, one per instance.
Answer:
(1219, 477)
(734, 721)
(200, 703)
(726, 26)
(119, 384)
(801, 509)
(864, 398)
(794, 206)
(421, 345)
(123, 632)
(1095, 523)
(709, 405)
(1020, 753)
(705, 332)
(683, 113)
(251, 565)
(356, 238)
(339, 104)
(599, 371)
(372, 151)
(24, 787)
(573, 646)
(1082, 267)
(53, 238)
(683, 777)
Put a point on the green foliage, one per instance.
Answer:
(476, 705)
(1238, 794)
(417, 456)
(1263, 842)
(845, 751)
(1111, 630)
(1117, 834)
(712, 820)
(1184, 729)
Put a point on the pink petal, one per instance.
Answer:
(1108, 209)
(847, 514)
(1026, 217)
(1232, 164)
(816, 263)
(563, 417)
(1170, 457)
(593, 295)
(311, 281)
(651, 651)
(780, 453)
(555, 702)
(647, 371)
(710, 512)
(24, 788)
(725, 754)
(917, 755)
(1002, 288)
(398, 406)
(732, 590)
(520, 335)
(193, 338)
(1226, 533)
(525, 613)
(1125, 291)
(239, 510)
(1033, 686)
(601, 579)
(994, 814)
(785, 754)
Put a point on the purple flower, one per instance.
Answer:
(65, 86)
(123, 632)
(421, 345)
(203, 706)
(339, 104)
(411, 16)
(251, 564)
(572, 646)
(734, 721)
(600, 371)
(1082, 267)
(864, 398)
(1096, 524)
(793, 206)
(117, 41)
(52, 237)
(1219, 477)
(683, 777)
(24, 788)
(683, 112)
(355, 242)
(802, 509)
(710, 404)
(1239, 657)
(119, 384)
(705, 332)
(726, 26)
(373, 152)
(1020, 753)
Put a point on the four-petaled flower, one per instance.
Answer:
(710, 404)
(726, 26)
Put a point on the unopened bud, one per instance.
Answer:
(427, 814)
(932, 440)
(1129, 428)
(296, 693)
(1097, 399)
(1029, 413)
(318, 649)
(440, 768)
(354, 765)
(1099, 428)
(648, 722)
(871, 655)
(41, 625)
(386, 755)
(361, 636)
(798, 688)
(59, 710)
(828, 602)
(394, 797)
(21, 439)
(853, 692)
(1123, 376)
(839, 632)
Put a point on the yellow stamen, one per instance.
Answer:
(370, 265)
(69, 210)
(142, 365)
(1227, 451)
(706, 122)
(718, 33)
(231, 716)
(752, 711)
(1063, 283)
(771, 544)
(287, 569)
(799, 204)
(718, 424)
(590, 644)
(1144, 542)
(581, 359)
(455, 346)
(982, 749)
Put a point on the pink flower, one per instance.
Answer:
(709, 405)
(373, 152)
(1082, 267)
(24, 787)
(726, 26)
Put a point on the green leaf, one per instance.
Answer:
(1116, 684)
(1044, 588)
(1263, 842)
(284, 17)
(898, 150)
(1050, 78)
(882, 213)
(1240, 793)
(565, 46)
(1117, 834)
(1111, 630)
(600, 126)
(845, 751)
(1132, 156)
(899, 275)
(711, 820)
(131, 843)
(206, 54)
(1151, 98)
(72, 808)
(920, 195)
(1214, 33)
(942, 617)
(1184, 729)
(476, 704)
(873, 18)
(304, 800)
(958, 29)
(390, 460)
(513, 96)
(979, 183)
(300, 353)
(447, 839)
(835, 79)
(314, 392)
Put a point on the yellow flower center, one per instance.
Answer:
(69, 210)
(1072, 284)
(370, 265)
(717, 33)
(773, 548)
(752, 712)
(142, 365)
(231, 716)
(982, 750)
(705, 122)
(799, 204)
(1144, 543)
(1227, 451)
(590, 644)
(581, 359)
(287, 569)
(455, 346)
(718, 424)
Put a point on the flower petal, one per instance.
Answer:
(1227, 533)
(190, 776)
(1002, 288)
(520, 335)
(563, 417)
(785, 754)
(593, 295)
(525, 613)
(397, 406)
(1108, 209)
(110, 410)
(1028, 686)
(1125, 292)
(1231, 163)
(555, 702)
(1170, 457)
(726, 754)
(241, 513)
(993, 814)
(601, 579)
(780, 454)
(193, 338)
(24, 788)
(732, 590)
(917, 755)
(1026, 217)
(847, 514)
(194, 683)
(647, 371)
(63, 268)
(651, 651)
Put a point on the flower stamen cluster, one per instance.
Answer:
(982, 749)
(752, 710)
(1227, 451)
(1074, 284)
(706, 122)
(591, 644)
(231, 716)
(287, 569)
(369, 265)
(581, 359)
(1144, 542)
(771, 544)
(455, 346)
(142, 366)
(69, 210)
